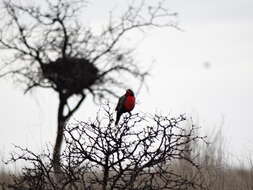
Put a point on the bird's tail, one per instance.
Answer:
(117, 118)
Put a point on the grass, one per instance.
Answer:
(216, 169)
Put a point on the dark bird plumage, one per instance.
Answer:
(125, 104)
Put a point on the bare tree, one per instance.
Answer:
(50, 48)
(140, 153)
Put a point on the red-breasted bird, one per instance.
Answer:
(125, 104)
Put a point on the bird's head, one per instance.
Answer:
(129, 92)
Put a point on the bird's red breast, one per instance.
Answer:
(129, 103)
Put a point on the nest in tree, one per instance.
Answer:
(71, 75)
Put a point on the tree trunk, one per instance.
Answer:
(61, 121)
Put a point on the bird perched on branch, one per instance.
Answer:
(125, 104)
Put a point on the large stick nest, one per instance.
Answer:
(70, 75)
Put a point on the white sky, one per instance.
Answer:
(217, 31)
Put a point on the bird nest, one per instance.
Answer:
(70, 75)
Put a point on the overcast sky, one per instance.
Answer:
(215, 32)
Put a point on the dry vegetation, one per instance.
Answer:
(200, 166)
(218, 173)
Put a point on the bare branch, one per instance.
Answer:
(141, 153)
(48, 47)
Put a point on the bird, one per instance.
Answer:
(125, 104)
